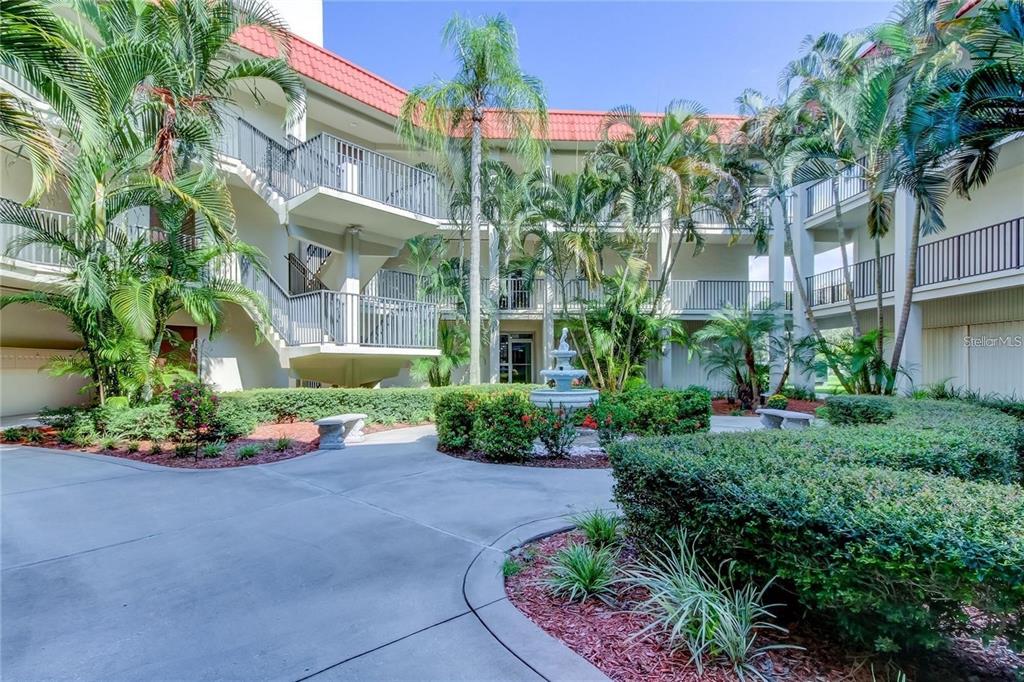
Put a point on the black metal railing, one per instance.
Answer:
(983, 251)
(301, 280)
(851, 183)
(829, 287)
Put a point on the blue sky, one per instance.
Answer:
(596, 55)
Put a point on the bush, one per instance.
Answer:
(503, 428)
(856, 527)
(212, 450)
(777, 402)
(612, 418)
(149, 422)
(697, 607)
(453, 411)
(248, 451)
(859, 409)
(581, 571)
(664, 412)
(555, 430)
(600, 528)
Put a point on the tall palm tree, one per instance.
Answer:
(489, 85)
(770, 129)
(823, 75)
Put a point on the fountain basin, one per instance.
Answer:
(569, 400)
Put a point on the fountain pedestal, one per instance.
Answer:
(563, 395)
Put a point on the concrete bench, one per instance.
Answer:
(784, 419)
(334, 431)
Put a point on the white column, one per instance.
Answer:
(350, 285)
(912, 356)
(493, 294)
(547, 343)
(297, 128)
(777, 291)
(664, 252)
(803, 253)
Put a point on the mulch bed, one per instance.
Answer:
(604, 635)
(575, 462)
(304, 438)
(722, 408)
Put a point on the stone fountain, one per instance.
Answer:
(563, 394)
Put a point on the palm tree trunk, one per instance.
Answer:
(908, 297)
(755, 388)
(800, 285)
(474, 247)
(879, 324)
(493, 296)
(847, 275)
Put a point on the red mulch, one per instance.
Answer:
(304, 438)
(604, 636)
(722, 407)
(575, 462)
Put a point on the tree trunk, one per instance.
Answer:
(879, 324)
(800, 285)
(493, 296)
(474, 247)
(847, 275)
(908, 297)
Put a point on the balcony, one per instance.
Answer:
(820, 197)
(312, 175)
(985, 251)
(317, 317)
(523, 296)
(829, 287)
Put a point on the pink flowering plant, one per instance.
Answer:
(556, 430)
(194, 406)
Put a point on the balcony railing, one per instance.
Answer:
(819, 195)
(334, 163)
(995, 248)
(829, 287)
(10, 75)
(692, 295)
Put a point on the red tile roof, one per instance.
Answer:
(337, 73)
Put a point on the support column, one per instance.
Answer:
(912, 356)
(547, 343)
(350, 287)
(777, 293)
(803, 253)
(493, 295)
(664, 251)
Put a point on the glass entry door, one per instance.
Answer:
(516, 358)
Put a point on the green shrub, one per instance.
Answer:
(600, 528)
(503, 428)
(453, 411)
(581, 571)
(148, 422)
(510, 567)
(212, 450)
(859, 409)
(663, 412)
(236, 419)
(248, 451)
(612, 418)
(15, 434)
(132, 446)
(556, 430)
(60, 418)
(696, 606)
(282, 444)
(888, 555)
(798, 393)
(108, 443)
(777, 402)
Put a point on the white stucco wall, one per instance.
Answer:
(232, 360)
(25, 387)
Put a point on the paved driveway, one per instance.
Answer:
(340, 565)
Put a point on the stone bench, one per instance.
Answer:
(784, 419)
(334, 431)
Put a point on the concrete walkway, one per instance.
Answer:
(335, 565)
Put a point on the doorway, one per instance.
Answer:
(515, 352)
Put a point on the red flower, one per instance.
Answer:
(526, 418)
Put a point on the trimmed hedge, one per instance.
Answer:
(859, 409)
(872, 527)
(381, 405)
(656, 412)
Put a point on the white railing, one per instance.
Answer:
(693, 295)
(851, 183)
(46, 254)
(11, 76)
(334, 163)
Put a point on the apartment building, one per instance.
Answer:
(332, 199)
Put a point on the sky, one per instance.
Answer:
(597, 55)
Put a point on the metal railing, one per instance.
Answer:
(699, 295)
(46, 254)
(334, 163)
(829, 287)
(300, 279)
(983, 251)
(11, 76)
(851, 183)
(341, 318)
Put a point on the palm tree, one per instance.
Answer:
(489, 85)
(824, 74)
(770, 129)
(437, 370)
(738, 335)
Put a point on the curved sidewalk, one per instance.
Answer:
(352, 564)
